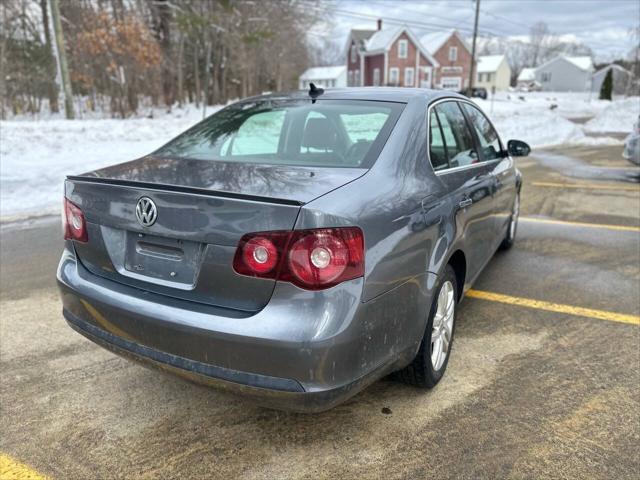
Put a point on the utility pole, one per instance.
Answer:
(62, 60)
(473, 49)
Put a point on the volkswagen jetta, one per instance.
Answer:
(296, 247)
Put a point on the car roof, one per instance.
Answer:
(381, 94)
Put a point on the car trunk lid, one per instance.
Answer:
(202, 212)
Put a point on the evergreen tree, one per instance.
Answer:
(607, 86)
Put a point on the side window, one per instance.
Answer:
(437, 148)
(457, 137)
(489, 140)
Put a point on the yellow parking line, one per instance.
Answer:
(625, 228)
(588, 186)
(633, 168)
(13, 470)
(555, 307)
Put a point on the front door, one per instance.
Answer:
(470, 182)
(492, 150)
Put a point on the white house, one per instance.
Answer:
(527, 79)
(493, 71)
(565, 74)
(622, 79)
(328, 77)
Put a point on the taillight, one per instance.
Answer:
(311, 259)
(73, 222)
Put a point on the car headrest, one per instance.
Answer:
(319, 133)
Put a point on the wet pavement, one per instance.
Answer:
(528, 393)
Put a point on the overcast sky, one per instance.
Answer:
(602, 25)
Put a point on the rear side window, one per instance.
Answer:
(457, 137)
(437, 148)
(489, 140)
(327, 133)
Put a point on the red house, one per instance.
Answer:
(454, 56)
(396, 57)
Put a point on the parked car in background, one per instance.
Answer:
(631, 150)
(294, 248)
(476, 92)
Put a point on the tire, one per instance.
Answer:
(422, 372)
(510, 236)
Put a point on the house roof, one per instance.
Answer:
(382, 39)
(489, 63)
(527, 75)
(434, 41)
(323, 73)
(361, 35)
(583, 63)
(613, 66)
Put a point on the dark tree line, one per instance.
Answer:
(162, 52)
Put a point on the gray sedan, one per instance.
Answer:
(294, 248)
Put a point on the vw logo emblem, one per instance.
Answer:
(146, 212)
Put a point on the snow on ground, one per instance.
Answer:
(530, 117)
(36, 155)
(619, 116)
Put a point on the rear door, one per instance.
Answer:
(492, 150)
(470, 182)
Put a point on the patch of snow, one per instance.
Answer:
(617, 116)
(36, 156)
(382, 38)
(323, 72)
(489, 63)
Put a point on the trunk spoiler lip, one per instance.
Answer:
(183, 189)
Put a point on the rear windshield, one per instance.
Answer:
(327, 133)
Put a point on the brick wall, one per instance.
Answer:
(371, 63)
(459, 68)
(401, 63)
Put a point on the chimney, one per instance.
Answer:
(379, 24)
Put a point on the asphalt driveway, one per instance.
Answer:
(544, 380)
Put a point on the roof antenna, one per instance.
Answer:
(315, 92)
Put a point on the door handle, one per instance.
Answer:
(465, 203)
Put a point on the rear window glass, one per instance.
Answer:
(331, 133)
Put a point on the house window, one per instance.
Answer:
(356, 80)
(426, 79)
(545, 77)
(353, 54)
(453, 54)
(451, 83)
(409, 77)
(394, 75)
(350, 78)
(481, 77)
(376, 77)
(402, 49)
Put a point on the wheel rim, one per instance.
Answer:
(514, 218)
(442, 329)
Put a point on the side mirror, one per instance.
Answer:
(518, 148)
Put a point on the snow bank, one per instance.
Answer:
(36, 156)
(530, 118)
(618, 116)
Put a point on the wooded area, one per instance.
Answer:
(123, 52)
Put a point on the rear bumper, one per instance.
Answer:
(305, 351)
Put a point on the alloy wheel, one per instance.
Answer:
(442, 329)
(514, 218)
